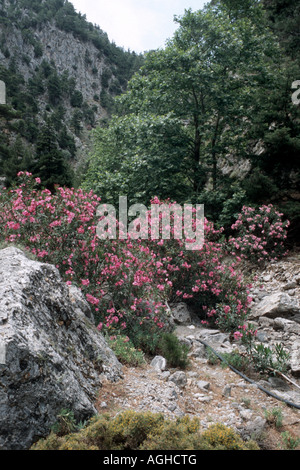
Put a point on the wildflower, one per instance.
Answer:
(237, 335)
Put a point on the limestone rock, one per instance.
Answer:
(159, 363)
(254, 429)
(276, 305)
(295, 359)
(181, 314)
(51, 355)
(179, 378)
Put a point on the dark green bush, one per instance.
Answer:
(174, 352)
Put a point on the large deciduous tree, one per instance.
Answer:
(190, 107)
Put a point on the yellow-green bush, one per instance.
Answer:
(52, 442)
(132, 430)
(181, 434)
(220, 437)
(125, 350)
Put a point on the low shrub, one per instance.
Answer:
(131, 430)
(289, 441)
(220, 437)
(264, 358)
(236, 360)
(274, 417)
(174, 352)
(125, 350)
(65, 423)
(180, 434)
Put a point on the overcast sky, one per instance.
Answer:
(138, 25)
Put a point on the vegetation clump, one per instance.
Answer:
(128, 283)
(131, 430)
(125, 350)
(174, 352)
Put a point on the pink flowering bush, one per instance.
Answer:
(232, 317)
(260, 234)
(128, 283)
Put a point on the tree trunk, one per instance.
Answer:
(196, 156)
(214, 154)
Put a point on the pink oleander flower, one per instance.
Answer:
(237, 335)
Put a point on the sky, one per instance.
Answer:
(138, 25)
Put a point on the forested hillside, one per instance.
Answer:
(61, 74)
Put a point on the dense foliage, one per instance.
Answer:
(130, 282)
(209, 109)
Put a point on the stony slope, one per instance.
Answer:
(217, 394)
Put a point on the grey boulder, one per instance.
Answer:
(52, 357)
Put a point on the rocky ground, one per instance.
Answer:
(216, 393)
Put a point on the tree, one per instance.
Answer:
(275, 172)
(19, 159)
(50, 164)
(76, 99)
(11, 155)
(54, 89)
(66, 141)
(140, 157)
(284, 18)
(206, 79)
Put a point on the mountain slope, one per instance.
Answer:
(61, 74)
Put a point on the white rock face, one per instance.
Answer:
(275, 305)
(51, 355)
(181, 314)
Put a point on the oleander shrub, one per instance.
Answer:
(127, 282)
(260, 234)
(236, 360)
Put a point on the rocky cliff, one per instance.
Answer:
(59, 71)
(51, 355)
